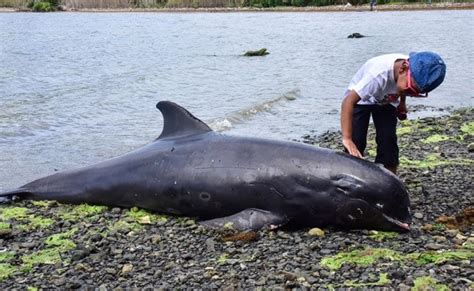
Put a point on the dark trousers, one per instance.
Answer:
(385, 121)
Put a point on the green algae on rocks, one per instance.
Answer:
(468, 128)
(382, 235)
(6, 256)
(46, 256)
(433, 257)
(369, 256)
(436, 138)
(55, 245)
(61, 240)
(25, 220)
(17, 213)
(223, 258)
(142, 216)
(433, 160)
(383, 280)
(6, 270)
(135, 220)
(428, 283)
(79, 212)
(364, 257)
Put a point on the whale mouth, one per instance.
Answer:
(403, 225)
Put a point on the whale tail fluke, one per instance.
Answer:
(13, 195)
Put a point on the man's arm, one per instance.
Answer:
(402, 107)
(347, 108)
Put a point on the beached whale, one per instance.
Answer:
(243, 182)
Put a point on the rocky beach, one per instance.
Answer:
(46, 245)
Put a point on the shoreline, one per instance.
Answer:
(332, 8)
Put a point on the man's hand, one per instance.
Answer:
(347, 109)
(402, 108)
(351, 147)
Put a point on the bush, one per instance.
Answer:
(43, 7)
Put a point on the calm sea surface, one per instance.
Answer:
(78, 88)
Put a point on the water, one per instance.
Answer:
(78, 88)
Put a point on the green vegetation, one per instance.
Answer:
(441, 257)
(144, 217)
(4, 227)
(382, 235)
(56, 244)
(80, 212)
(17, 213)
(428, 283)
(404, 130)
(369, 256)
(6, 270)
(383, 280)
(433, 160)
(223, 258)
(6, 256)
(42, 204)
(61, 240)
(359, 257)
(436, 138)
(439, 227)
(46, 256)
(468, 128)
(135, 219)
(43, 5)
(27, 221)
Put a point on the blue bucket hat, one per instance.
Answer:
(427, 69)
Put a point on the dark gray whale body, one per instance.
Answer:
(240, 181)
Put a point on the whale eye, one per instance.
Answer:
(205, 196)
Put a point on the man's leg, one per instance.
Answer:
(360, 125)
(385, 121)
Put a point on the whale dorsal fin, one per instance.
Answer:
(178, 122)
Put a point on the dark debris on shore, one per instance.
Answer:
(48, 245)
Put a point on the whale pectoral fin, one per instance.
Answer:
(248, 219)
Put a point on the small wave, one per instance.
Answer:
(241, 116)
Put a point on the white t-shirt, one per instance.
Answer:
(374, 81)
